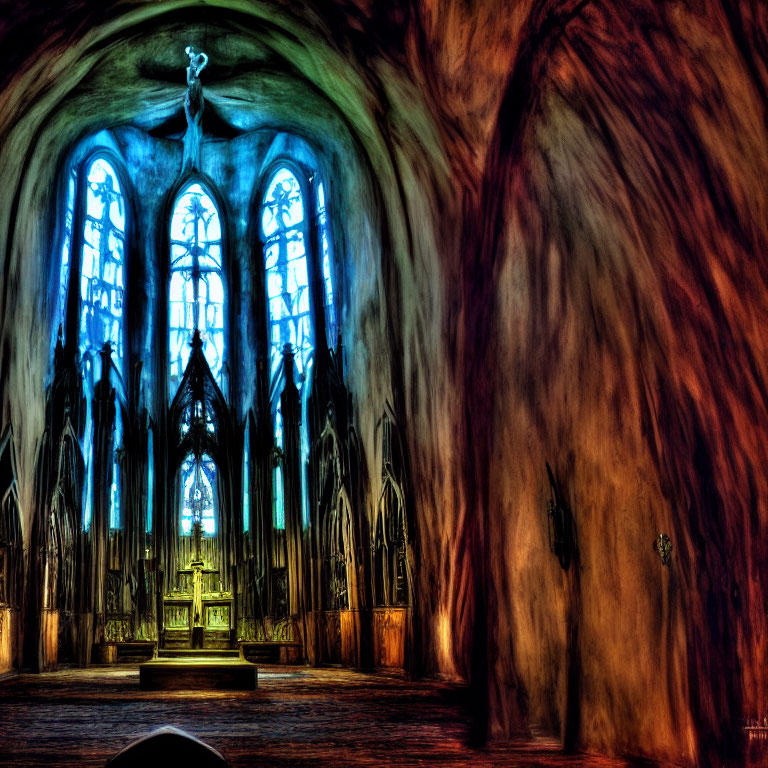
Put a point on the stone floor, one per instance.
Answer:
(297, 717)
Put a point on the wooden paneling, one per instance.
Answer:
(329, 636)
(389, 625)
(49, 639)
(6, 641)
(352, 624)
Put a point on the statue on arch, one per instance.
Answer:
(193, 108)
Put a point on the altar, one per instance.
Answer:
(197, 612)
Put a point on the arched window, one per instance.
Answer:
(287, 278)
(102, 293)
(197, 479)
(196, 297)
(102, 267)
(331, 326)
(66, 245)
(283, 229)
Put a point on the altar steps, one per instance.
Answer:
(196, 674)
(200, 669)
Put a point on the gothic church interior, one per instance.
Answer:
(419, 336)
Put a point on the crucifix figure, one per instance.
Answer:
(193, 108)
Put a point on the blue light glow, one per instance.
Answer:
(66, 245)
(331, 326)
(150, 479)
(287, 278)
(246, 479)
(288, 303)
(278, 502)
(198, 483)
(114, 490)
(101, 270)
(196, 297)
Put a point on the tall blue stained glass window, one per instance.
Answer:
(331, 325)
(198, 494)
(197, 286)
(287, 276)
(102, 267)
(102, 295)
(288, 300)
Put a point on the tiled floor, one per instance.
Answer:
(297, 717)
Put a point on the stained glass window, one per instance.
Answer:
(102, 287)
(246, 479)
(102, 267)
(114, 490)
(150, 479)
(287, 277)
(331, 326)
(197, 285)
(88, 444)
(197, 479)
(288, 301)
(66, 245)
(278, 506)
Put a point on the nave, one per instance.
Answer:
(299, 716)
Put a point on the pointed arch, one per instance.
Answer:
(102, 259)
(284, 233)
(196, 294)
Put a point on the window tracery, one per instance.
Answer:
(196, 294)
(198, 482)
(102, 283)
(288, 308)
(287, 278)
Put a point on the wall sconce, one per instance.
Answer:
(663, 545)
(559, 525)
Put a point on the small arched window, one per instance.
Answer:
(197, 479)
(150, 479)
(247, 477)
(115, 517)
(196, 298)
